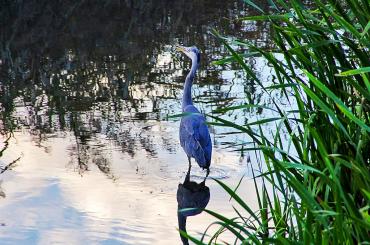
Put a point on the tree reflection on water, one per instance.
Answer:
(107, 68)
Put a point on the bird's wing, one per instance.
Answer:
(205, 141)
(195, 139)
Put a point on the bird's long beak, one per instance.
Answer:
(180, 48)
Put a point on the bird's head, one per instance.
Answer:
(192, 52)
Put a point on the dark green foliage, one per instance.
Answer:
(318, 193)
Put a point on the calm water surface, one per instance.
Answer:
(86, 90)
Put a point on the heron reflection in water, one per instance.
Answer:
(194, 134)
(194, 198)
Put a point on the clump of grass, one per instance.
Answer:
(319, 183)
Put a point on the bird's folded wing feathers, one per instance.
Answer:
(197, 142)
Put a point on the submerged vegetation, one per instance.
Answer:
(314, 189)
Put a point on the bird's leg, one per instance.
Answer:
(187, 178)
(204, 181)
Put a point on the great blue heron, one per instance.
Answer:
(194, 134)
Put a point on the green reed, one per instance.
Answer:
(319, 192)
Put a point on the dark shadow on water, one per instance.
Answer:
(95, 68)
(192, 196)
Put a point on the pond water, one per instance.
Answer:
(86, 93)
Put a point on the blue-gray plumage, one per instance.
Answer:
(194, 134)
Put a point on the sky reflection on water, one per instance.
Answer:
(51, 199)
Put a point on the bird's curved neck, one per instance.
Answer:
(182, 226)
(186, 97)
